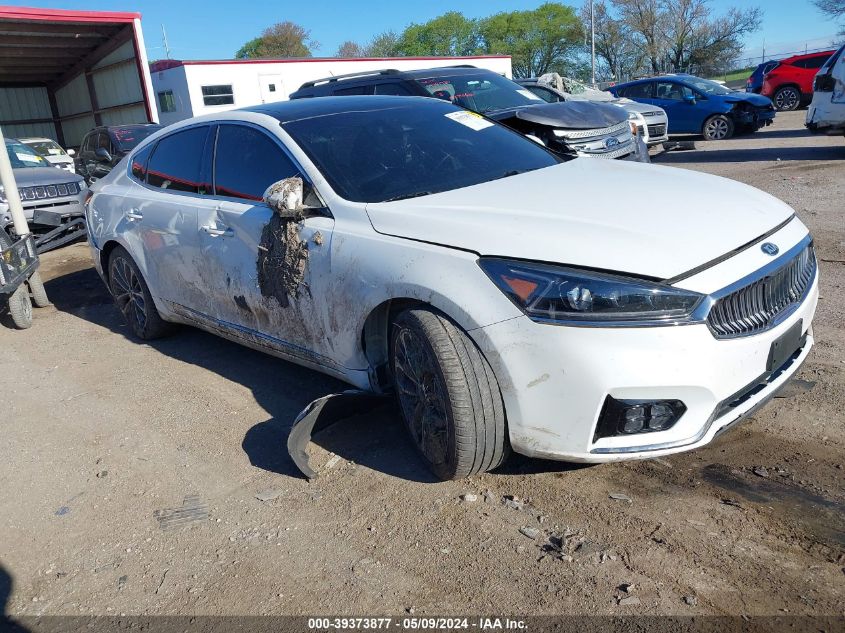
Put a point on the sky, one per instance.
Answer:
(215, 29)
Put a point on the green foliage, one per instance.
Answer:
(448, 35)
(285, 39)
(542, 40)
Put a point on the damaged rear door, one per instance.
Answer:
(259, 269)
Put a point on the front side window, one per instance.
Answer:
(672, 91)
(479, 92)
(166, 102)
(247, 161)
(412, 148)
(178, 160)
(218, 95)
(816, 62)
(545, 94)
(393, 88)
(103, 142)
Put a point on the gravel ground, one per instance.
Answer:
(153, 479)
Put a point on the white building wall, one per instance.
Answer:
(187, 81)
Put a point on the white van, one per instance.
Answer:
(826, 114)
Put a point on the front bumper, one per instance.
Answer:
(51, 212)
(555, 379)
(658, 130)
(756, 118)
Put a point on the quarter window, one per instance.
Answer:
(166, 102)
(177, 162)
(218, 95)
(247, 162)
(139, 163)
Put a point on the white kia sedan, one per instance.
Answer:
(404, 245)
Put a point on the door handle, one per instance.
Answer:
(215, 232)
(134, 214)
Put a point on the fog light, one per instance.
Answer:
(629, 417)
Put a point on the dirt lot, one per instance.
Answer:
(154, 478)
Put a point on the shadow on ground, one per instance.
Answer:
(7, 625)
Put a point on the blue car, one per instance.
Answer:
(701, 106)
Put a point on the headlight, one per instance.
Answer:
(558, 294)
(82, 185)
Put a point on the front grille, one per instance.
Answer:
(42, 192)
(755, 307)
(656, 130)
(595, 133)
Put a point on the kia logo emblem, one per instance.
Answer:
(611, 142)
(769, 249)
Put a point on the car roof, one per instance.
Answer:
(796, 58)
(368, 76)
(296, 109)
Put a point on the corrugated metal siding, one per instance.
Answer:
(73, 98)
(127, 51)
(30, 129)
(122, 116)
(76, 128)
(117, 85)
(17, 104)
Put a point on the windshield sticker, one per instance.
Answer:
(470, 119)
(28, 158)
(529, 94)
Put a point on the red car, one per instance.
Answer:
(790, 83)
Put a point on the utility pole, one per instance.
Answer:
(164, 38)
(592, 44)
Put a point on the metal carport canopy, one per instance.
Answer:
(50, 48)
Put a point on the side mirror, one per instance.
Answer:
(285, 197)
(71, 152)
(690, 99)
(102, 155)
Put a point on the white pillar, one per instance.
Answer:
(7, 179)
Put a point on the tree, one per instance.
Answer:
(450, 34)
(539, 41)
(350, 49)
(643, 18)
(833, 8)
(618, 52)
(285, 39)
(383, 45)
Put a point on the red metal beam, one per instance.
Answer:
(62, 15)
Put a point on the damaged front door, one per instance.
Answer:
(258, 266)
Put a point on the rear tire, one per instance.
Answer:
(786, 98)
(448, 395)
(133, 298)
(20, 308)
(718, 128)
(39, 294)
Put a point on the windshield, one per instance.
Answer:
(127, 138)
(707, 87)
(482, 92)
(46, 148)
(22, 156)
(413, 148)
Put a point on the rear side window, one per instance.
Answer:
(139, 163)
(247, 161)
(177, 162)
(638, 91)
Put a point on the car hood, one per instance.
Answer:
(661, 222)
(58, 160)
(571, 115)
(30, 176)
(754, 99)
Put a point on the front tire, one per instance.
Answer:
(448, 395)
(133, 298)
(718, 128)
(36, 287)
(20, 308)
(786, 98)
